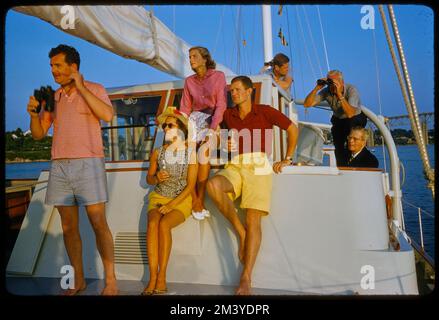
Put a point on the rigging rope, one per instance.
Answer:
(312, 40)
(323, 37)
(252, 39)
(304, 42)
(411, 108)
(291, 51)
(219, 30)
(173, 18)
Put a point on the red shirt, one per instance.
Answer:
(259, 124)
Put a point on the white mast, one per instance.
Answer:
(266, 25)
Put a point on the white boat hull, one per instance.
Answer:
(315, 240)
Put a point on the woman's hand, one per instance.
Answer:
(162, 175)
(164, 209)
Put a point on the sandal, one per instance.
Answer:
(200, 215)
(160, 291)
(148, 292)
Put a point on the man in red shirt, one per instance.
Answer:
(247, 172)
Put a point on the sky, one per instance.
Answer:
(220, 28)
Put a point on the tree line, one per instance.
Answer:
(20, 146)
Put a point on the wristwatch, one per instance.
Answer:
(290, 159)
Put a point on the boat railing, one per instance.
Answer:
(21, 186)
(395, 191)
(420, 247)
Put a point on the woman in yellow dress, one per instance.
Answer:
(173, 171)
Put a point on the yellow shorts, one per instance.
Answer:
(155, 200)
(251, 177)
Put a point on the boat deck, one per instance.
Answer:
(27, 286)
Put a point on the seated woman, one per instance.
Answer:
(173, 171)
(204, 101)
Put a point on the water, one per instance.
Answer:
(414, 189)
(415, 192)
(26, 170)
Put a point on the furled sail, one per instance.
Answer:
(128, 31)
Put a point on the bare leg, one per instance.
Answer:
(217, 188)
(252, 245)
(152, 240)
(73, 244)
(203, 175)
(104, 243)
(167, 222)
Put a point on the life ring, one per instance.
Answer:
(389, 209)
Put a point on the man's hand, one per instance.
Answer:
(321, 86)
(338, 88)
(162, 175)
(277, 166)
(32, 107)
(79, 80)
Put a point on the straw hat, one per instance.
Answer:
(172, 111)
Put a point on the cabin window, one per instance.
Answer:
(131, 133)
(175, 98)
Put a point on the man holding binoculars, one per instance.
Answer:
(77, 174)
(344, 101)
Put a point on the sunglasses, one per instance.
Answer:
(170, 125)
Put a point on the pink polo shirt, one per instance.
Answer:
(209, 92)
(76, 129)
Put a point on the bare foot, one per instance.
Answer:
(244, 288)
(197, 205)
(81, 286)
(160, 286)
(110, 289)
(151, 286)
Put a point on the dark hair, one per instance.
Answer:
(246, 81)
(70, 54)
(210, 63)
(182, 127)
(280, 59)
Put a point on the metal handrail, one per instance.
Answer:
(422, 210)
(394, 161)
(26, 185)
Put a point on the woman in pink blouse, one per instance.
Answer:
(204, 101)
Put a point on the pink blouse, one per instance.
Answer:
(208, 92)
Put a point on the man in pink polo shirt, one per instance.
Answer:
(77, 175)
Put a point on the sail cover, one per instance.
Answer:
(128, 31)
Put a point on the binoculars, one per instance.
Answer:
(46, 94)
(322, 82)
